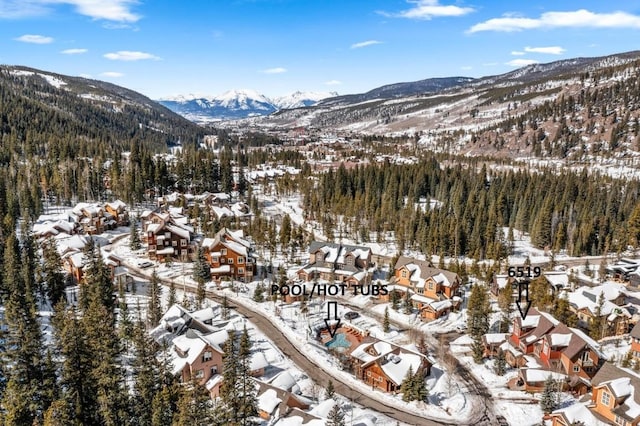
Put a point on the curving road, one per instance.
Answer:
(312, 369)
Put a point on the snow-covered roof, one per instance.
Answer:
(495, 338)
(560, 339)
(223, 269)
(268, 401)
(577, 413)
(324, 408)
(258, 361)
(397, 366)
(534, 375)
(284, 380)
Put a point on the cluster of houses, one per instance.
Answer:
(218, 205)
(196, 344)
(72, 229)
(618, 309)
(433, 292)
(541, 346)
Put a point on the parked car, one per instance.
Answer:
(144, 264)
(351, 315)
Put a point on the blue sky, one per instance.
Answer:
(162, 48)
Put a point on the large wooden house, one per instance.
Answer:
(168, 236)
(337, 262)
(230, 256)
(434, 292)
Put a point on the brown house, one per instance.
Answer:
(199, 356)
(230, 255)
(616, 396)
(273, 401)
(635, 342)
(337, 262)
(384, 365)
(585, 303)
(168, 236)
(555, 347)
(118, 211)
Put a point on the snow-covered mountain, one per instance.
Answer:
(237, 104)
(301, 99)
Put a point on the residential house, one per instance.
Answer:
(575, 414)
(584, 301)
(501, 281)
(168, 236)
(553, 347)
(635, 342)
(274, 402)
(196, 344)
(91, 218)
(616, 396)
(230, 256)
(622, 269)
(337, 262)
(384, 365)
(434, 292)
(118, 211)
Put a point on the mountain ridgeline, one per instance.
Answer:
(42, 110)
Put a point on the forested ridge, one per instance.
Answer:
(584, 213)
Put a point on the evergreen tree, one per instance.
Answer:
(247, 407)
(597, 323)
(335, 417)
(386, 324)
(229, 391)
(51, 271)
(408, 308)
(395, 300)
(98, 284)
(478, 311)
(548, 399)
(501, 363)
(258, 294)
(146, 372)
(154, 308)
(407, 387)
(22, 399)
(194, 408)
(329, 391)
(172, 299)
(134, 236)
(505, 303)
(477, 349)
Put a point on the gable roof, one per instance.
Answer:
(423, 270)
(625, 387)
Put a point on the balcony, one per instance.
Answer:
(585, 362)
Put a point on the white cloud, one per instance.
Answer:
(333, 83)
(427, 9)
(365, 44)
(74, 51)
(276, 70)
(34, 38)
(112, 74)
(521, 62)
(128, 55)
(110, 10)
(517, 53)
(549, 50)
(575, 19)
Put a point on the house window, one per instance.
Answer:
(167, 234)
(223, 251)
(576, 368)
(216, 259)
(421, 291)
(585, 356)
(620, 421)
(403, 274)
(214, 370)
(240, 259)
(183, 243)
(174, 243)
(207, 356)
(431, 286)
(199, 374)
(240, 270)
(223, 260)
(231, 261)
(368, 373)
(605, 399)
